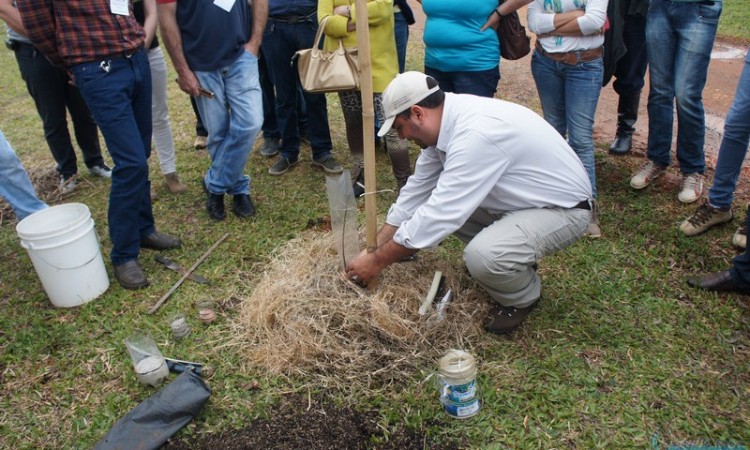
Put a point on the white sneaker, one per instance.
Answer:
(646, 175)
(68, 185)
(739, 239)
(101, 170)
(692, 188)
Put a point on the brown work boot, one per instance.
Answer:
(172, 182)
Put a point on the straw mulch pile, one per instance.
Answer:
(304, 318)
(46, 182)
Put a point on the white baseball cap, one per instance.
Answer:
(403, 92)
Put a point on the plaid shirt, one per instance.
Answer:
(70, 32)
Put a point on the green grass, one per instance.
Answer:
(735, 17)
(620, 354)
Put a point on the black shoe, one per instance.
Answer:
(621, 145)
(242, 205)
(282, 165)
(214, 204)
(359, 185)
(719, 282)
(504, 319)
(160, 241)
(130, 275)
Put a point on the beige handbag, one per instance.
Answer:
(321, 71)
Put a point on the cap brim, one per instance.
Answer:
(387, 125)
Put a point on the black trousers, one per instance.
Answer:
(52, 94)
(630, 72)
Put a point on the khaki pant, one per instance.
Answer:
(501, 248)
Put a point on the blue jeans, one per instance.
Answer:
(569, 94)
(734, 144)
(230, 136)
(280, 41)
(270, 127)
(740, 270)
(118, 93)
(401, 30)
(679, 39)
(482, 83)
(15, 186)
(48, 86)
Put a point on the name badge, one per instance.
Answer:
(226, 5)
(119, 7)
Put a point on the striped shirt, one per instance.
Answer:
(71, 32)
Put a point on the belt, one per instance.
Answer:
(120, 55)
(574, 57)
(14, 45)
(292, 19)
(585, 204)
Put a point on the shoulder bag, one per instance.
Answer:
(321, 71)
(514, 43)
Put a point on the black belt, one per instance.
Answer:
(292, 19)
(14, 45)
(120, 55)
(585, 204)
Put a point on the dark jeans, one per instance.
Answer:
(401, 30)
(482, 83)
(200, 129)
(52, 94)
(280, 41)
(270, 125)
(120, 100)
(631, 68)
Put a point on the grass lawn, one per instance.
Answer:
(621, 353)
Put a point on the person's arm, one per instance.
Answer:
(38, 18)
(150, 20)
(367, 266)
(589, 21)
(170, 33)
(10, 15)
(260, 17)
(507, 7)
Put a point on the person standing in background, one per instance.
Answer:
(15, 186)
(52, 92)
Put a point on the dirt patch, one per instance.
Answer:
(315, 424)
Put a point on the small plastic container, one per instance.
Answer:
(148, 362)
(206, 311)
(179, 326)
(458, 388)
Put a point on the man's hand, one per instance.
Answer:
(253, 46)
(189, 83)
(363, 268)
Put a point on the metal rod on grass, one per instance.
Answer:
(186, 275)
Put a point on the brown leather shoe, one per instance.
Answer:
(719, 282)
(130, 275)
(504, 319)
(160, 241)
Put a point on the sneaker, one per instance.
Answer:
(328, 164)
(68, 183)
(739, 239)
(269, 148)
(646, 175)
(692, 188)
(101, 170)
(282, 165)
(200, 143)
(704, 218)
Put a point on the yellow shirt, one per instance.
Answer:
(382, 39)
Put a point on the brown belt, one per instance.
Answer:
(574, 57)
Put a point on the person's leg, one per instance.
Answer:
(695, 29)
(583, 83)
(237, 86)
(502, 249)
(482, 83)
(47, 88)
(15, 186)
(162, 128)
(278, 47)
(734, 143)
(401, 32)
(398, 149)
(120, 100)
(740, 270)
(200, 130)
(270, 128)
(351, 108)
(661, 47)
(550, 84)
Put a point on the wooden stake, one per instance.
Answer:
(368, 124)
(186, 274)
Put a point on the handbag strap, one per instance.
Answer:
(319, 37)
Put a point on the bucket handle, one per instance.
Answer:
(68, 268)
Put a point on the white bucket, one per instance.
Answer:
(62, 244)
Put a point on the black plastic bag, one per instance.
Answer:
(150, 424)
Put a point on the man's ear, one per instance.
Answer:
(418, 113)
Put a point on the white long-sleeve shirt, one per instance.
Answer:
(541, 18)
(490, 154)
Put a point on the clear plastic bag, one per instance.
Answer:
(343, 216)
